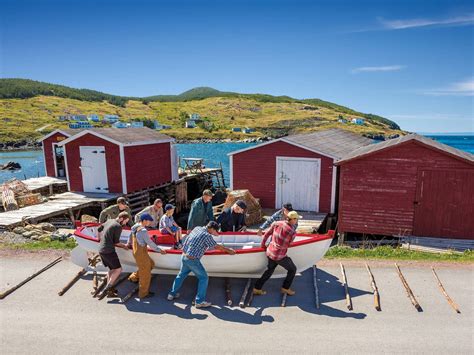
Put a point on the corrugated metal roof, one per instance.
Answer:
(333, 142)
(367, 150)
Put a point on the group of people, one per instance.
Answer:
(277, 234)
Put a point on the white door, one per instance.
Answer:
(94, 169)
(297, 182)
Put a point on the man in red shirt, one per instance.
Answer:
(282, 233)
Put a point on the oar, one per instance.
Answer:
(374, 288)
(346, 288)
(51, 264)
(411, 296)
(443, 291)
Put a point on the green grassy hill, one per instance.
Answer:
(30, 109)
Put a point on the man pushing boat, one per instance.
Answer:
(282, 233)
(194, 247)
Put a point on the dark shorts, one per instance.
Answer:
(111, 260)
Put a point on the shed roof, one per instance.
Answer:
(121, 136)
(430, 143)
(334, 143)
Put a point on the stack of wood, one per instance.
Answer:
(15, 194)
(254, 212)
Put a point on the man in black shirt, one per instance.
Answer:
(111, 231)
(232, 219)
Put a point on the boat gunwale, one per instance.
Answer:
(310, 238)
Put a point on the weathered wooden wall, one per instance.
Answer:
(378, 193)
(49, 153)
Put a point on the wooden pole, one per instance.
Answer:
(244, 294)
(374, 288)
(101, 286)
(250, 299)
(228, 294)
(76, 278)
(95, 282)
(346, 288)
(16, 287)
(315, 283)
(283, 300)
(443, 291)
(410, 294)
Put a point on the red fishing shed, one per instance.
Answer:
(298, 169)
(116, 160)
(408, 186)
(53, 152)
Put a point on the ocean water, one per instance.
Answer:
(214, 154)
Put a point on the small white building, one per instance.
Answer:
(80, 125)
(358, 121)
(119, 124)
(136, 124)
(190, 124)
(111, 118)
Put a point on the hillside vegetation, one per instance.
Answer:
(29, 109)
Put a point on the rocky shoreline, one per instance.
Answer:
(20, 145)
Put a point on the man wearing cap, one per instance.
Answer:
(282, 233)
(110, 233)
(201, 211)
(232, 219)
(155, 211)
(194, 247)
(140, 240)
(113, 211)
(277, 216)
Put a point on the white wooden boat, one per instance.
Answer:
(249, 261)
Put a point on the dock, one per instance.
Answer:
(46, 185)
(67, 203)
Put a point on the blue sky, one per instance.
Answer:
(411, 61)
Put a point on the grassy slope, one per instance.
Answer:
(20, 118)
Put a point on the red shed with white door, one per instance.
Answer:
(298, 169)
(408, 186)
(116, 160)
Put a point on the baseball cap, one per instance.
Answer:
(207, 192)
(241, 204)
(294, 215)
(146, 217)
(122, 200)
(169, 206)
(288, 206)
(213, 225)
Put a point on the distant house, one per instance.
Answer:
(80, 125)
(79, 117)
(136, 124)
(358, 121)
(111, 118)
(190, 124)
(93, 118)
(342, 120)
(195, 117)
(119, 124)
(247, 130)
(236, 129)
(63, 118)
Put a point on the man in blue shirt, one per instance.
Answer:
(279, 215)
(201, 211)
(194, 247)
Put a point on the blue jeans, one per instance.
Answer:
(194, 265)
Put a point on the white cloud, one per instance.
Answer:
(378, 69)
(462, 88)
(420, 22)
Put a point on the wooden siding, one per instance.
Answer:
(112, 156)
(49, 154)
(255, 170)
(147, 165)
(377, 194)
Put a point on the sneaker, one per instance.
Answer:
(258, 292)
(204, 304)
(170, 297)
(288, 291)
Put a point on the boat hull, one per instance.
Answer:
(249, 262)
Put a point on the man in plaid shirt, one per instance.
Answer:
(282, 233)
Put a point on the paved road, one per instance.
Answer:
(35, 319)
